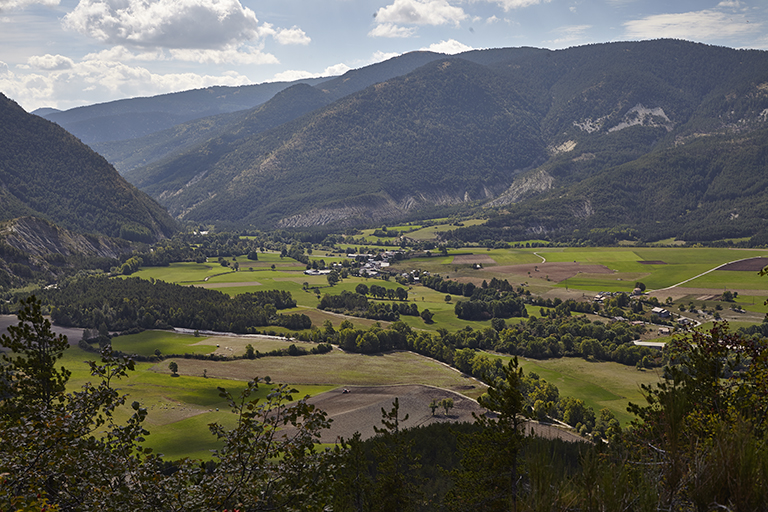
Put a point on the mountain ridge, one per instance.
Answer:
(141, 116)
(497, 128)
(484, 129)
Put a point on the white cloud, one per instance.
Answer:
(293, 35)
(232, 55)
(569, 35)
(334, 70)
(122, 54)
(733, 4)
(509, 5)
(449, 47)
(177, 24)
(380, 56)
(696, 25)
(49, 62)
(391, 30)
(20, 4)
(295, 74)
(420, 12)
(94, 80)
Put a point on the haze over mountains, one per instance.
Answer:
(651, 139)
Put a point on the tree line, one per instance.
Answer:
(121, 304)
(357, 304)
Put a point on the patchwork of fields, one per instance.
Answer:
(190, 402)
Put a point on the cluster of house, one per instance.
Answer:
(316, 272)
(372, 265)
(600, 297)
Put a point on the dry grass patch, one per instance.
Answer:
(360, 410)
(555, 271)
(231, 346)
(470, 259)
(338, 368)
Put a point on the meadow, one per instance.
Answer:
(181, 408)
(602, 385)
(189, 402)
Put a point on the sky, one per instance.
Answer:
(67, 53)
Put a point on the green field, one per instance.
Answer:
(431, 232)
(145, 343)
(188, 402)
(679, 264)
(602, 385)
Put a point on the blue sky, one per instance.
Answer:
(66, 53)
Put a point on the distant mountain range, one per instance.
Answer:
(642, 140)
(137, 117)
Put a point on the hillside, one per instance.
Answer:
(46, 172)
(289, 103)
(137, 117)
(556, 139)
(354, 158)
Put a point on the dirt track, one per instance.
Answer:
(469, 259)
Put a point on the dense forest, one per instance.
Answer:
(356, 304)
(705, 190)
(121, 304)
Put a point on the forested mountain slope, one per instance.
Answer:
(46, 172)
(562, 140)
(286, 105)
(453, 120)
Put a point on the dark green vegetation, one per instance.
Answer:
(48, 173)
(63, 208)
(699, 444)
(122, 304)
(642, 140)
(707, 189)
(356, 304)
(128, 152)
(557, 126)
(336, 152)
